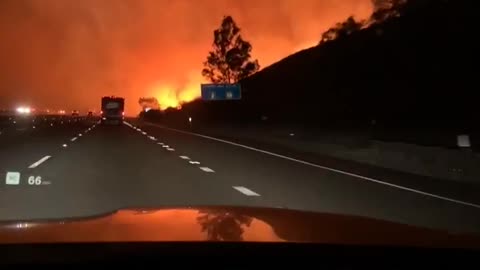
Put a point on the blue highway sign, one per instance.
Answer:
(221, 91)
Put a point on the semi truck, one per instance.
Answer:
(112, 110)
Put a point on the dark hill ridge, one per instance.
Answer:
(414, 68)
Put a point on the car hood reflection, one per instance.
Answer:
(229, 224)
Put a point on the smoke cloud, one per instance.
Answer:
(66, 54)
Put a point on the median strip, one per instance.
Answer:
(36, 164)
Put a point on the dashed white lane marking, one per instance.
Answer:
(144, 133)
(160, 143)
(246, 191)
(428, 194)
(206, 169)
(194, 162)
(184, 157)
(80, 135)
(165, 146)
(40, 161)
(170, 149)
(64, 145)
(73, 139)
(152, 138)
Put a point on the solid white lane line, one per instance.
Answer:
(194, 162)
(206, 169)
(325, 168)
(170, 149)
(73, 139)
(184, 157)
(40, 161)
(246, 191)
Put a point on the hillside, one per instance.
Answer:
(414, 68)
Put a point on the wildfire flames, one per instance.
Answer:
(169, 96)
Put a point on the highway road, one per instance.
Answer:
(75, 168)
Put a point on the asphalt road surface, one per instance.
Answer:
(77, 167)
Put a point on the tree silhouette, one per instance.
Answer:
(149, 102)
(342, 29)
(223, 225)
(229, 61)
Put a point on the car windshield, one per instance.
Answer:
(355, 108)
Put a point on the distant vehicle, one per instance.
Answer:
(90, 114)
(75, 113)
(112, 110)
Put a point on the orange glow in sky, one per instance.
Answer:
(65, 54)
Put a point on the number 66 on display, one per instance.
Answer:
(32, 180)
